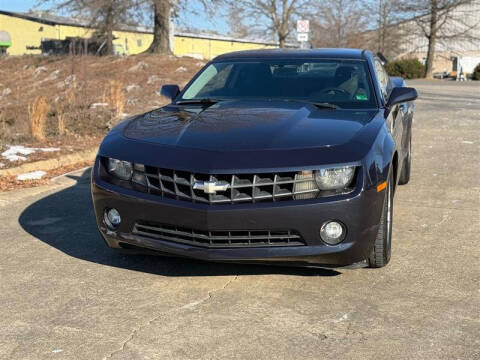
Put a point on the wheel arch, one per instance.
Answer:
(382, 158)
(389, 156)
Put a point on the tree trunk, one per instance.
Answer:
(282, 33)
(380, 27)
(430, 57)
(432, 39)
(161, 31)
(109, 29)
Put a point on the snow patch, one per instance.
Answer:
(181, 69)
(70, 79)
(47, 149)
(15, 158)
(142, 65)
(53, 76)
(342, 318)
(13, 151)
(67, 82)
(39, 70)
(132, 87)
(467, 142)
(95, 105)
(153, 79)
(34, 175)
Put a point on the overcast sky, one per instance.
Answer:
(195, 21)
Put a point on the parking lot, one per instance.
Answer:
(64, 295)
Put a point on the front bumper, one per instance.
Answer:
(359, 211)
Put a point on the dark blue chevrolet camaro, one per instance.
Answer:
(280, 156)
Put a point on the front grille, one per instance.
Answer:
(219, 239)
(237, 188)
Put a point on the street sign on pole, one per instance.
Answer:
(303, 26)
(302, 37)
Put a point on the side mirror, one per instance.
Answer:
(170, 91)
(401, 94)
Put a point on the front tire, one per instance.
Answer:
(382, 249)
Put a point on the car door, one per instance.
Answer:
(395, 116)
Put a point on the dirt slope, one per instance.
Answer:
(83, 97)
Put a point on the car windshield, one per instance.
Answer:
(344, 83)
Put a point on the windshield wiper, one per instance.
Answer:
(325, 105)
(320, 105)
(204, 101)
(212, 101)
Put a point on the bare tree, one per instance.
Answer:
(440, 20)
(102, 15)
(237, 26)
(165, 10)
(277, 17)
(339, 23)
(388, 35)
(161, 29)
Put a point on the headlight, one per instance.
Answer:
(121, 169)
(334, 178)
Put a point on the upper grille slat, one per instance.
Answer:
(242, 188)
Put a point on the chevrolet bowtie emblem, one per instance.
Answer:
(210, 187)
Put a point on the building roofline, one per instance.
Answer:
(40, 20)
(60, 20)
(224, 38)
(127, 28)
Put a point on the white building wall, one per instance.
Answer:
(464, 17)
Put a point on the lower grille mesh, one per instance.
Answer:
(219, 239)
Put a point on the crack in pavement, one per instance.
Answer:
(189, 306)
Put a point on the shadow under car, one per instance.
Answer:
(66, 221)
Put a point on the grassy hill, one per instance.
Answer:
(71, 102)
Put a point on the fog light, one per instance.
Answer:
(112, 218)
(332, 232)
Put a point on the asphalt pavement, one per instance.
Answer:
(64, 295)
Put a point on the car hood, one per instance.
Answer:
(248, 125)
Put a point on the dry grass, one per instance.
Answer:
(80, 82)
(3, 125)
(71, 94)
(37, 113)
(10, 182)
(60, 121)
(115, 97)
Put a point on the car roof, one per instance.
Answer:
(326, 53)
